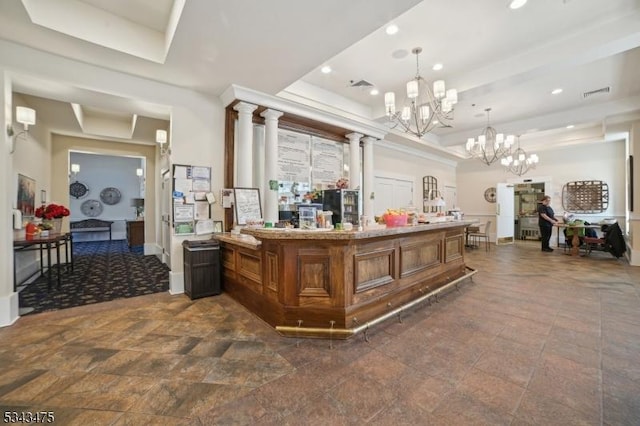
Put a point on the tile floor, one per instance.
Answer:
(535, 339)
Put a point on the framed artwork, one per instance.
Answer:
(217, 226)
(26, 195)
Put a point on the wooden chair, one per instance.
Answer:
(476, 236)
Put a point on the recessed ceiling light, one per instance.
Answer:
(391, 29)
(435, 122)
(326, 69)
(438, 67)
(516, 4)
(556, 91)
(570, 126)
(374, 92)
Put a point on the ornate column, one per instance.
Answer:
(271, 164)
(354, 160)
(244, 142)
(367, 177)
(258, 162)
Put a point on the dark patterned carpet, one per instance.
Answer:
(103, 271)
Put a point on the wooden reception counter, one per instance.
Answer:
(328, 283)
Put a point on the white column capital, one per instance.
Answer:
(271, 114)
(245, 107)
(354, 136)
(369, 139)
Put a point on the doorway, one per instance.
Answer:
(392, 193)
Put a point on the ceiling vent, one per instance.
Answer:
(361, 83)
(604, 90)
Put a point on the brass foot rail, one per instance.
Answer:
(345, 333)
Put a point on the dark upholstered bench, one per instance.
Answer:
(91, 225)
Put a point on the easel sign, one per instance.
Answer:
(247, 204)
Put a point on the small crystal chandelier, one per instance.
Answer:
(518, 162)
(426, 108)
(491, 145)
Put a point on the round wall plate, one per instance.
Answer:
(490, 195)
(78, 189)
(110, 196)
(91, 208)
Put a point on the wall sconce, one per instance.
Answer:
(26, 117)
(139, 172)
(75, 169)
(161, 138)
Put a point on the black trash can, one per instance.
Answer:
(201, 268)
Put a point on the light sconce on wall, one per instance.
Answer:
(26, 117)
(161, 138)
(75, 169)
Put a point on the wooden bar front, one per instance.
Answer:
(329, 283)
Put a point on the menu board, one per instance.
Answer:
(327, 160)
(247, 205)
(294, 156)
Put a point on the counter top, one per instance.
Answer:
(242, 240)
(331, 234)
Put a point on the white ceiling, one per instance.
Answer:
(497, 58)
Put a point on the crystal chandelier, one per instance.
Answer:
(490, 145)
(518, 162)
(425, 108)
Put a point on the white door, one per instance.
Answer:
(391, 193)
(504, 213)
(165, 226)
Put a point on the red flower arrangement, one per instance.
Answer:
(52, 211)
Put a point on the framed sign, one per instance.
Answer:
(247, 204)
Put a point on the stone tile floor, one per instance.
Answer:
(534, 339)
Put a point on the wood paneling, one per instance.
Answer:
(349, 282)
(417, 256)
(373, 269)
(271, 260)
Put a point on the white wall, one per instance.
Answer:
(413, 165)
(197, 132)
(603, 161)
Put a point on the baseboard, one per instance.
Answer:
(176, 282)
(9, 309)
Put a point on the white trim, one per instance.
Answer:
(352, 123)
(176, 282)
(9, 309)
(414, 152)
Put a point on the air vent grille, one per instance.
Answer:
(603, 90)
(361, 83)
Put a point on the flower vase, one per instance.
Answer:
(55, 225)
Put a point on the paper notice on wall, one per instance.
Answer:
(180, 172)
(182, 185)
(294, 156)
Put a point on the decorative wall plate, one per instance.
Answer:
(110, 196)
(78, 189)
(490, 195)
(91, 208)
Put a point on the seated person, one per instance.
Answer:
(568, 232)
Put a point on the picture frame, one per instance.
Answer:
(184, 228)
(218, 226)
(26, 195)
(247, 204)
